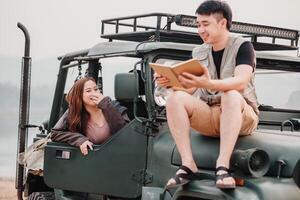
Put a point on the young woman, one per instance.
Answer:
(91, 118)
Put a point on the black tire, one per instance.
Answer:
(42, 196)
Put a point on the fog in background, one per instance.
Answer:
(57, 27)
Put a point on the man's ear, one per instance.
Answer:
(223, 22)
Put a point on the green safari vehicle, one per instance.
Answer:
(137, 161)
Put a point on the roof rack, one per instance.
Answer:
(165, 33)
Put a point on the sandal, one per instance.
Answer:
(222, 176)
(182, 178)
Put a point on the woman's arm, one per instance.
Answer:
(61, 133)
(121, 109)
(114, 113)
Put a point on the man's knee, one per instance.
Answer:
(177, 98)
(231, 98)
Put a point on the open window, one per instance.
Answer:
(278, 93)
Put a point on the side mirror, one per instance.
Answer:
(126, 86)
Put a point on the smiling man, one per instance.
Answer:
(220, 103)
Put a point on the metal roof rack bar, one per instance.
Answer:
(254, 31)
(134, 25)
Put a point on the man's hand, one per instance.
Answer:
(161, 80)
(189, 80)
(242, 76)
(84, 147)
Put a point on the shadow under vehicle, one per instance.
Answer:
(137, 161)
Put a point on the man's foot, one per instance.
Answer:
(223, 178)
(183, 176)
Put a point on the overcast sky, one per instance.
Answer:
(60, 26)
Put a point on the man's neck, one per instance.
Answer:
(222, 42)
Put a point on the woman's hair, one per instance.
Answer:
(77, 112)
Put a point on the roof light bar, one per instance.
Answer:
(261, 30)
(186, 20)
(245, 28)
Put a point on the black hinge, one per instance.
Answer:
(147, 128)
(142, 177)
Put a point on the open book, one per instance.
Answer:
(192, 66)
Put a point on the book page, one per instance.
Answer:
(192, 66)
(166, 72)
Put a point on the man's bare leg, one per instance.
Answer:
(232, 104)
(179, 108)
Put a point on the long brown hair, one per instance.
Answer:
(77, 112)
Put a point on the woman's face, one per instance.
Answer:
(90, 92)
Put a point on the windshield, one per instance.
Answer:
(280, 89)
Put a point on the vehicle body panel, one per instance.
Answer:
(111, 168)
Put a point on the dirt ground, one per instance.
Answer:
(7, 189)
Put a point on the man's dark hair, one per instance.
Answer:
(216, 6)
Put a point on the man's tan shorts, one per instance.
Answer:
(206, 119)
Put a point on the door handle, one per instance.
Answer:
(63, 154)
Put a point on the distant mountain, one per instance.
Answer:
(43, 72)
(40, 106)
(9, 96)
(10, 69)
(39, 96)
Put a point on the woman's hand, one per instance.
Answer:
(84, 147)
(97, 97)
